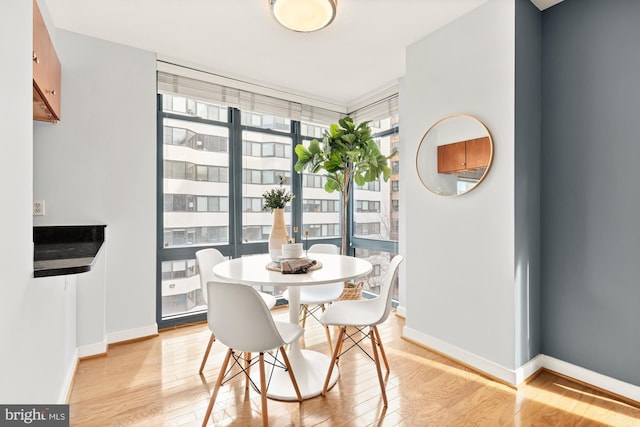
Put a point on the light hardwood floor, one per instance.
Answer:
(155, 382)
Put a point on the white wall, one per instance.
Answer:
(97, 166)
(460, 250)
(37, 316)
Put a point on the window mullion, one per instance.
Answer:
(296, 182)
(235, 182)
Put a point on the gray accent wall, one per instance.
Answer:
(591, 199)
(528, 128)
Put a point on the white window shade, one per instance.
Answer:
(244, 100)
(378, 110)
(249, 97)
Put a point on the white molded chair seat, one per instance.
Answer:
(362, 314)
(319, 295)
(206, 259)
(352, 313)
(241, 321)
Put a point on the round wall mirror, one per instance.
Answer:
(454, 155)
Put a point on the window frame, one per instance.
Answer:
(235, 247)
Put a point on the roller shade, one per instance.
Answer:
(378, 110)
(244, 100)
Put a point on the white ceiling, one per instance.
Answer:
(360, 53)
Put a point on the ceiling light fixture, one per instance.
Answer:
(304, 15)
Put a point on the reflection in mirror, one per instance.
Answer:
(454, 155)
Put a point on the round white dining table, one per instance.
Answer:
(309, 367)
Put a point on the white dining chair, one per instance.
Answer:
(241, 321)
(318, 296)
(362, 314)
(206, 259)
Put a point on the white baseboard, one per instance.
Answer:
(114, 337)
(131, 334)
(528, 369)
(401, 311)
(584, 375)
(68, 379)
(500, 372)
(92, 349)
(521, 374)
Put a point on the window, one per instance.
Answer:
(320, 210)
(395, 166)
(195, 236)
(320, 205)
(214, 136)
(267, 149)
(266, 121)
(367, 206)
(191, 203)
(394, 186)
(369, 186)
(256, 176)
(367, 228)
(322, 230)
(261, 173)
(193, 182)
(313, 181)
(380, 261)
(192, 107)
(373, 203)
(187, 138)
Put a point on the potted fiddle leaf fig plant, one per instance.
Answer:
(346, 154)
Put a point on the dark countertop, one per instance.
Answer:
(61, 250)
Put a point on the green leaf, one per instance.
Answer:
(364, 125)
(386, 173)
(332, 166)
(349, 138)
(353, 154)
(300, 164)
(331, 186)
(314, 147)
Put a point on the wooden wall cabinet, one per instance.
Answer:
(46, 72)
(464, 155)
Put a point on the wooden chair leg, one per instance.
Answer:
(340, 343)
(247, 370)
(290, 371)
(212, 338)
(334, 359)
(223, 369)
(328, 333)
(382, 352)
(263, 392)
(305, 313)
(377, 360)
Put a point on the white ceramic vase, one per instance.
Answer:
(278, 236)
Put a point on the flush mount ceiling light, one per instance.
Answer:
(304, 15)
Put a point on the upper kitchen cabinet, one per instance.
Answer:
(464, 155)
(46, 72)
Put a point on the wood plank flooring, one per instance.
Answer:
(155, 382)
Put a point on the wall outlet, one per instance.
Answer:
(38, 208)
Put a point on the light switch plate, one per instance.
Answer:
(38, 208)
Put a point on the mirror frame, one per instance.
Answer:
(423, 141)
